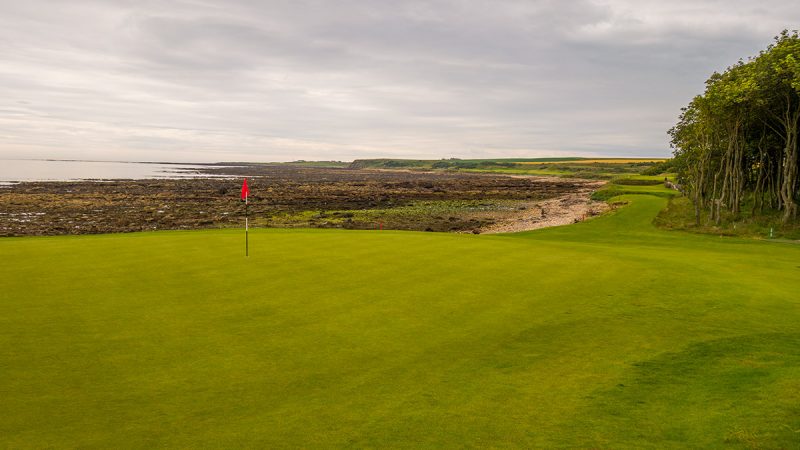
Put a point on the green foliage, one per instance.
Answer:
(660, 168)
(738, 141)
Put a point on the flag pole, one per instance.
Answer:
(246, 228)
(245, 196)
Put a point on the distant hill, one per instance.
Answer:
(456, 163)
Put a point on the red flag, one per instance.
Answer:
(245, 190)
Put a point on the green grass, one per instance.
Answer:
(612, 190)
(610, 333)
(570, 167)
(659, 178)
(679, 215)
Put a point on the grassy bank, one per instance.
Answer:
(610, 333)
(573, 167)
(679, 215)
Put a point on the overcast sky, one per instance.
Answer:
(203, 80)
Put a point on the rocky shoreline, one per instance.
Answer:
(305, 194)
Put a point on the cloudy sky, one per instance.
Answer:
(203, 80)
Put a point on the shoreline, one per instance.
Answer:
(292, 197)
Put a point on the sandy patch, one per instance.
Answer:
(563, 210)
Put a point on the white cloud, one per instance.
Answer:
(253, 80)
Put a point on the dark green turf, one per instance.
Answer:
(606, 334)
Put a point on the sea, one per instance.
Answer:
(16, 170)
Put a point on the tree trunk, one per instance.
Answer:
(789, 185)
(711, 214)
(758, 192)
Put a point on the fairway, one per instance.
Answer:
(605, 334)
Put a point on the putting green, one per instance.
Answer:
(609, 333)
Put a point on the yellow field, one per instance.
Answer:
(600, 160)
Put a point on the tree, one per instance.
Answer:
(738, 141)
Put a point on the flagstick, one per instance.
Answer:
(246, 227)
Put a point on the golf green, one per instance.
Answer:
(605, 334)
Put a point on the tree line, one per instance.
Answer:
(736, 145)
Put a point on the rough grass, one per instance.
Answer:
(612, 190)
(437, 215)
(679, 215)
(610, 333)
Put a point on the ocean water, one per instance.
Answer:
(14, 170)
